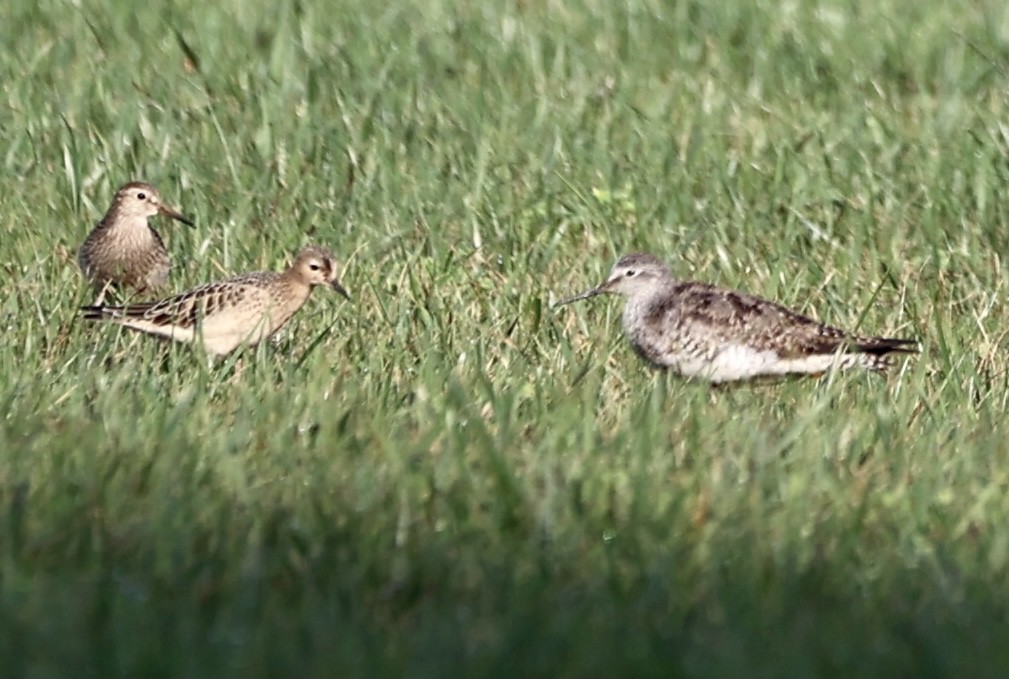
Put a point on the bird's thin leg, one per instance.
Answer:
(101, 293)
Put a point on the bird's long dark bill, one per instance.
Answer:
(585, 295)
(174, 214)
(340, 289)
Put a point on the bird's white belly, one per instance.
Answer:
(222, 336)
(740, 362)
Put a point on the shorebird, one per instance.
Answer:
(244, 309)
(123, 251)
(703, 331)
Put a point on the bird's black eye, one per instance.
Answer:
(630, 273)
(314, 266)
(141, 196)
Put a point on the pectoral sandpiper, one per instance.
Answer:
(222, 316)
(703, 331)
(123, 251)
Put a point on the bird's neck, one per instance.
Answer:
(295, 291)
(129, 229)
(643, 300)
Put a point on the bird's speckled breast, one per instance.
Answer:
(136, 258)
(655, 342)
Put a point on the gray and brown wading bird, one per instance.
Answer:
(703, 331)
(224, 315)
(123, 251)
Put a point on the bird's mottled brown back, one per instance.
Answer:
(186, 310)
(700, 310)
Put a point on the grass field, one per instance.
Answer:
(446, 476)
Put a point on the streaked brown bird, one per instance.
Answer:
(222, 316)
(123, 251)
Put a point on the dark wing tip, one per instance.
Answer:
(887, 345)
(93, 313)
(103, 311)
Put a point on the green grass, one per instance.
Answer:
(447, 477)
